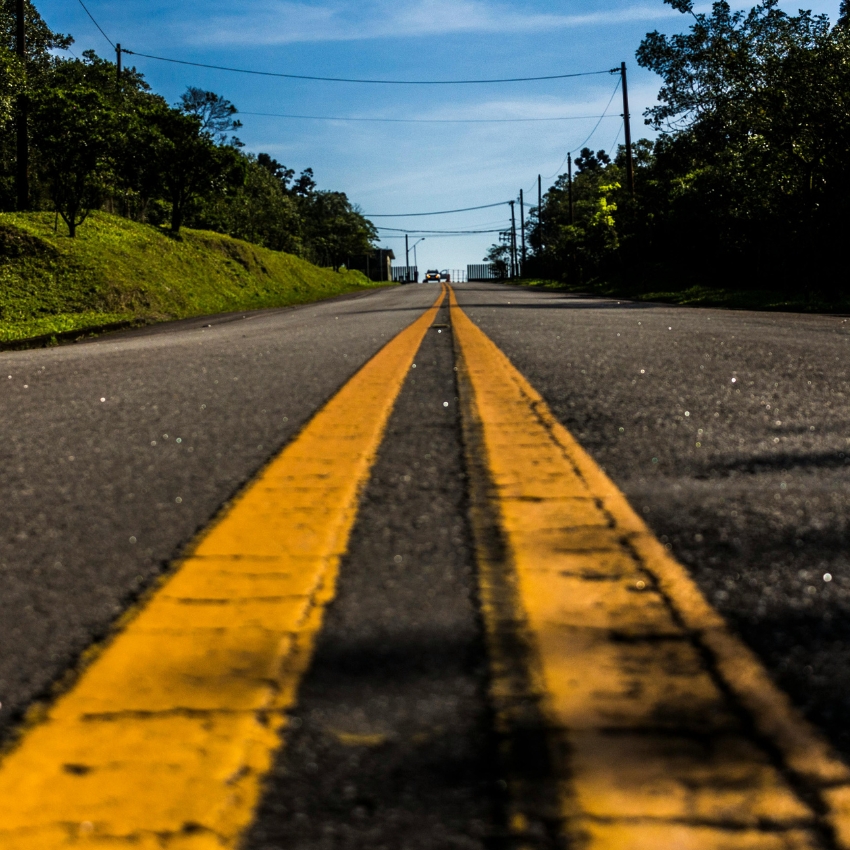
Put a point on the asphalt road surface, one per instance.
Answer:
(116, 452)
(728, 431)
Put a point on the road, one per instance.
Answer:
(726, 432)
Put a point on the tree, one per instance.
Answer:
(75, 127)
(42, 43)
(281, 173)
(214, 113)
(41, 40)
(135, 154)
(260, 210)
(499, 256)
(193, 165)
(12, 84)
(587, 160)
(332, 228)
(753, 111)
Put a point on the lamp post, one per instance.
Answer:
(415, 264)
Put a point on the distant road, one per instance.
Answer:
(727, 432)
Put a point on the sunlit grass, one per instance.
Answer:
(119, 271)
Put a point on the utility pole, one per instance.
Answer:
(513, 240)
(570, 184)
(630, 168)
(406, 259)
(118, 63)
(22, 183)
(522, 231)
(539, 211)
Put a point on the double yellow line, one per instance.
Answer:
(659, 728)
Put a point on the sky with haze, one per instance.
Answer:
(403, 167)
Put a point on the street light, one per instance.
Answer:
(415, 264)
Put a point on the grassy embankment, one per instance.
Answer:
(117, 272)
(706, 296)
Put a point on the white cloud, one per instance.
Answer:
(284, 22)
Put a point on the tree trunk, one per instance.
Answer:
(176, 217)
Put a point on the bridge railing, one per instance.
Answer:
(483, 271)
(405, 274)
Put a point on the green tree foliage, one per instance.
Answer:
(749, 178)
(583, 242)
(262, 210)
(76, 128)
(100, 141)
(94, 136)
(12, 84)
(15, 80)
(755, 113)
(499, 256)
(194, 165)
(332, 228)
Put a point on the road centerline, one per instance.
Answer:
(391, 743)
(647, 750)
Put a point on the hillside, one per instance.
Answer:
(118, 271)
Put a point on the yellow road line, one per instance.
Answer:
(664, 731)
(165, 738)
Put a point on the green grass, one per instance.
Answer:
(118, 272)
(705, 296)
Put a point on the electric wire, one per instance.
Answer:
(359, 79)
(401, 231)
(595, 128)
(437, 232)
(439, 212)
(426, 120)
(98, 25)
(436, 235)
(616, 138)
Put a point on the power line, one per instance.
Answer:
(98, 25)
(427, 120)
(439, 232)
(361, 80)
(440, 212)
(595, 128)
(440, 235)
(616, 138)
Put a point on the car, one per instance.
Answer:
(431, 275)
(446, 276)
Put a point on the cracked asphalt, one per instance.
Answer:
(728, 431)
(115, 453)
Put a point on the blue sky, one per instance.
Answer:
(400, 168)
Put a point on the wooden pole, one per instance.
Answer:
(22, 182)
(630, 168)
(522, 231)
(540, 211)
(513, 240)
